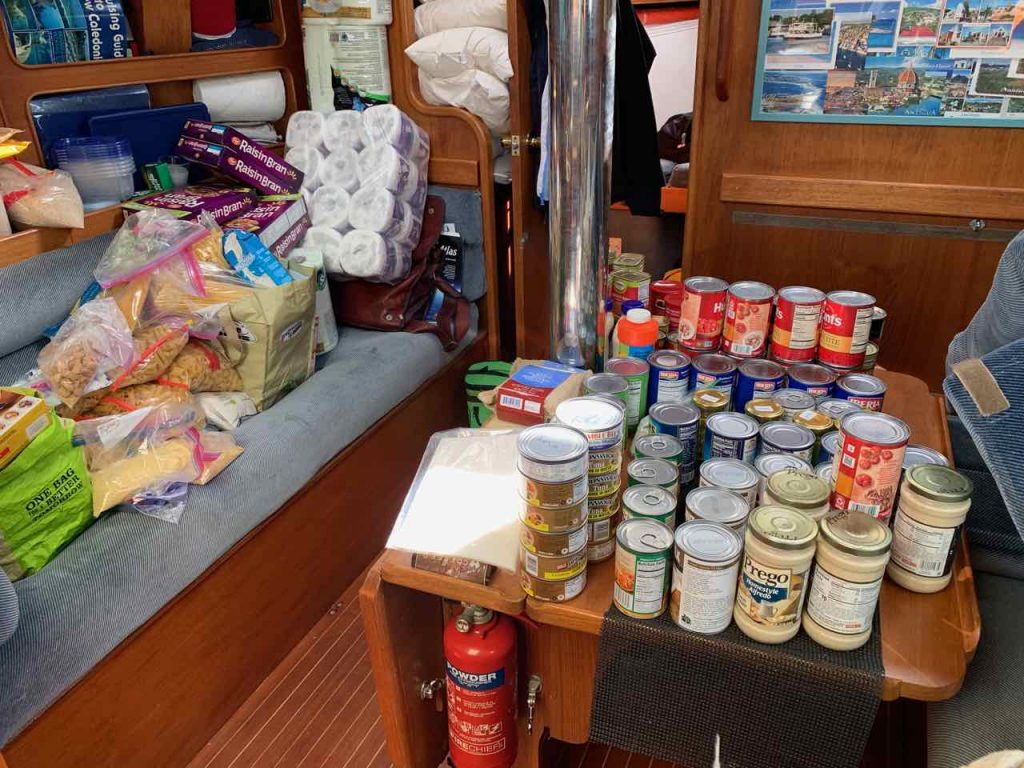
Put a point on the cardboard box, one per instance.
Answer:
(225, 136)
(21, 418)
(241, 168)
(529, 395)
(279, 222)
(223, 203)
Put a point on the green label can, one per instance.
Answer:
(643, 556)
(659, 446)
(649, 502)
(636, 372)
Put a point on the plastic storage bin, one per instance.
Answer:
(101, 166)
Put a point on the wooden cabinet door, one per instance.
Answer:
(916, 215)
(528, 259)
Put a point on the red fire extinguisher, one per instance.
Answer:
(480, 666)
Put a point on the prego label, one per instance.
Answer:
(768, 595)
(845, 607)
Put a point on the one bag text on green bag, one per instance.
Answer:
(45, 501)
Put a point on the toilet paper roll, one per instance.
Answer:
(330, 208)
(258, 97)
(380, 165)
(377, 210)
(369, 256)
(307, 159)
(329, 242)
(387, 124)
(344, 129)
(341, 169)
(305, 129)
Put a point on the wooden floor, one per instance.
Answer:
(318, 709)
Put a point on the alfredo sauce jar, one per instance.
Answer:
(849, 563)
(702, 314)
(777, 557)
(869, 462)
(643, 555)
(934, 501)
(748, 313)
(704, 574)
(845, 326)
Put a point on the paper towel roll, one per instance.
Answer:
(256, 97)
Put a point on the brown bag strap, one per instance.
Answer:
(453, 317)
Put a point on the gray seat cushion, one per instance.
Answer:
(124, 568)
(987, 715)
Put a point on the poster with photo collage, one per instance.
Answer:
(932, 62)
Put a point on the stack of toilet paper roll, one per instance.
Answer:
(365, 187)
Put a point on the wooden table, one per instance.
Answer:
(927, 640)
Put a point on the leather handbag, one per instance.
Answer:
(403, 306)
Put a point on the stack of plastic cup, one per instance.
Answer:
(102, 167)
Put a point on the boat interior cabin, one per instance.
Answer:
(511, 383)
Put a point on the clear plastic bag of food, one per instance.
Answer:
(150, 242)
(219, 449)
(152, 464)
(166, 501)
(201, 368)
(36, 197)
(92, 348)
(156, 347)
(107, 439)
(131, 398)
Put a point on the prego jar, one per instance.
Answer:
(779, 549)
(926, 529)
(849, 563)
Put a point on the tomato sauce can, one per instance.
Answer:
(869, 463)
(713, 371)
(796, 323)
(748, 314)
(683, 423)
(643, 556)
(669, 378)
(667, 301)
(865, 390)
(702, 314)
(845, 326)
(756, 379)
(816, 380)
(730, 436)
(630, 285)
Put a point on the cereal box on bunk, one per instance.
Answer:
(238, 142)
(222, 203)
(247, 169)
(279, 222)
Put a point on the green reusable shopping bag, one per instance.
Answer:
(45, 500)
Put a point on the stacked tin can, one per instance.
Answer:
(553, 485)
(601, 419)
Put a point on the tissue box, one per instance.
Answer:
(280, 223)
(223, 203)
(226, 136)
(243, 168)
(21, 418)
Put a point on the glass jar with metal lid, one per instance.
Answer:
(767, 464)
(926, 528)
(835, 408)
(779, 549)
(763, 411)
(849, 564)
(804, 491)
(717, 505)
(732, 475)
(601, 421)
(704, 576)
(793, 400)
(650, 502)
(550, 453)
(787, 437)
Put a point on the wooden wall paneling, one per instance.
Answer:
(566, 661)
(460, 151)
(404, 633)
(18, 83)
(930, 285)
(529, 221)
(157, 698)
(160, 27)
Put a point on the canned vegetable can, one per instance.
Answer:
(607, 384)
(829, 446)
(636, 373)
(669, 377)
(659, 446)
(731, 436)
(748, 313)
(649, 502)
(756, 379)
(786, 437)
(657, 472)
(796, 324)
(863, 389)
(630, 285)
(683, 423)
(643, 555)
(704, 576)
(845, 327)
(816, 380)
(793, 401)
(717, 505)
(732, 475)
(836, 409)
(702, 314)
(713, 371)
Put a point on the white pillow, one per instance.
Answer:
(440, 15)
(482, 94)
(453, 51)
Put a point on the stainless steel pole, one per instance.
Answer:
(581, 63)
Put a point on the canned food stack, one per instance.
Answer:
(553, 485)
(601, 419)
